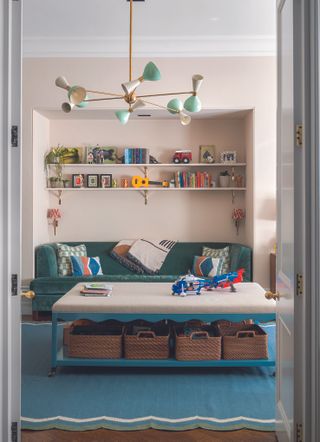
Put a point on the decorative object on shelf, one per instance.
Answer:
(224, 179)
(77, 95)
(182, 156)
(92, 180)
(101, 155)
(66, 182)
(55, 182)
(53, 216)
(239, 179)
(153, 160)
(106, 180)
(78, 180)
(124, 182)
(114, 183)
(136, 155)
(237, 216)
(64, 155)
(138, 181)
(207, 154)
(229, 156)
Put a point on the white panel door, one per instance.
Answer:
(285, 225)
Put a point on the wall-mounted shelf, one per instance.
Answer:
(144, 190)
(159, 165)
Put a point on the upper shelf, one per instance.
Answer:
(155, 165)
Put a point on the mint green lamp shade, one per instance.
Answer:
(123, 116)
(151, 72)
(175, 106)
(192, 104)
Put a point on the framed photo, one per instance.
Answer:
(207, 154)
(229, 156)
(78, 180)
(92, 180)
(106, 180)
(101, 155)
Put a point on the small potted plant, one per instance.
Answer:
(224, 179)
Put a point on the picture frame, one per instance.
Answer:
(101, 155)
(92, 180)
(228, 157)
(207, 154)
(78, 180)
(106, 180)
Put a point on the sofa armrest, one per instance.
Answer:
(241, 258)
(46, 261)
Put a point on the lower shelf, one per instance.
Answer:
(66, 361)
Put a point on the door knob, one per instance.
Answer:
(29, 295)
(271, 295)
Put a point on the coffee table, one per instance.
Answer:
(154, 302)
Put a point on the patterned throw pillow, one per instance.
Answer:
(207, 266)
(219, 253)
(85, 266)
(64, 252)
(120, 253)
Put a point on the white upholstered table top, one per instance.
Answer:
(156, 298)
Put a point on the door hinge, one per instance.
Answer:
(14, 431)
(14, 284)
(299, 135)
(299, 284)
(299, 433)
(14, 136)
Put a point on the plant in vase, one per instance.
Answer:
(224, 179)
(237, 216)
(55, 156)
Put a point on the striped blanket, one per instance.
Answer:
(150, 254)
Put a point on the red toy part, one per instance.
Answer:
(239, 278)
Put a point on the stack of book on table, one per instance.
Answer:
(96, 289)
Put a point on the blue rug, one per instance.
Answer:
(134, 399)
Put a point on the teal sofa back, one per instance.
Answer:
(178, 262)
(49, 286)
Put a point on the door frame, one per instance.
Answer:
(312, 219)
(10, 219)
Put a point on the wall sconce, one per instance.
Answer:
(53, 215)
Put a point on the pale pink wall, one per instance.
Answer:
(229, 83)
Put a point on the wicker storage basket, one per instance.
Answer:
(243, 341)
(99, 341)
(147, 344)
(204, 344)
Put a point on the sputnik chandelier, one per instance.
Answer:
(78, 95)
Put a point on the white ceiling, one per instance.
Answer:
(161, 27)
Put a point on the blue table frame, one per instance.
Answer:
(59, 360)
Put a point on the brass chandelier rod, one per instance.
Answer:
(130, 43)
(104, 93)
(166, 93)
(103, 99)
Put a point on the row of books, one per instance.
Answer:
(136, 155)
(193, 179)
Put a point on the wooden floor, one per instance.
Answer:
(147, 436)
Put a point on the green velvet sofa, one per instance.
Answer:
(49, 286)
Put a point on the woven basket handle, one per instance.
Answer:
(246, 334)
(146, 334)
(203, 334)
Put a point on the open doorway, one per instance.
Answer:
(237, 121)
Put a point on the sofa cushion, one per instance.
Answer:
(64, 252)
(223, 254)
(85, 266)
(207, 266)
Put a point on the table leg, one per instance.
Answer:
(54, 345)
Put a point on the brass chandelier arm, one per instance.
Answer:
(104, 93)
(162, 107)
(165, 94)
(104, 99)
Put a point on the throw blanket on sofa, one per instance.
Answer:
(150, 254)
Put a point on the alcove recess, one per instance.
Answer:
(110, 214)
